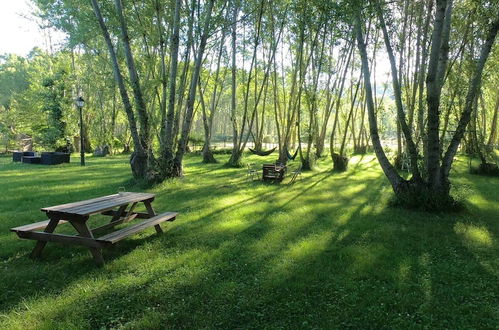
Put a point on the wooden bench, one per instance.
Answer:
(34, 226)
(118, 235)
(273, 172)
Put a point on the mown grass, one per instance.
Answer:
(326, 252)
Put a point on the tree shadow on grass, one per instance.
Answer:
(55, 256)
(326, 254)
(319, 274)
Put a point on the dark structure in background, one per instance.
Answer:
(46, 158)
(17, 156)
(54, 158)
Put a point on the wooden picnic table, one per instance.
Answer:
(119, 206)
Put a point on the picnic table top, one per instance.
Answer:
(100, 204)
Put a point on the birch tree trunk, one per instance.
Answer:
(208, 118)
(144, 156)
(186, 127)
(411, 146)
(235, 157)
(138, 164)
(436, 66)
(390, 171)
(169, 138)
(493, 128)
(247, 119)
(471, 96)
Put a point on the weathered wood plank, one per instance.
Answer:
(117, 201)
(74, 204)
(60, 238)
(109, 205)
(34, 226)
(139, 215)
(125, 232)
(100, 210)
(69, 217)
(98, 205)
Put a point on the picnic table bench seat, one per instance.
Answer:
(118, 235)
(33, 226)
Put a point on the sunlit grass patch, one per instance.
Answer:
(364, 258)
(474, 235)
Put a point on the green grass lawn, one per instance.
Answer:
(326, 252)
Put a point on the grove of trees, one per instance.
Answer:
(305, 76)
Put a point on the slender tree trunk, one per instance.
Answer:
(182, 144)
(140, 164)
(164, 80)
(473, 89)
(235, 158)
(411, 146)
(309, 160)
(208, 119)
(493, 128)
(447, 118)
(113, 115)
(167, 146)
(477, 142)
(338, 103)
(149, 172)
(420, 11)
(330, 99)
(386, 166)
(437, 59)
(421, 132)
(340, 161)
(206, 152)
(186, 65)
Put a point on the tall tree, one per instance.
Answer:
(433, 190)
(138, 160)
(186, 127)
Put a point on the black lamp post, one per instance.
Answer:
(80, 102)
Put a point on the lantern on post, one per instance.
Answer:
(80, 102)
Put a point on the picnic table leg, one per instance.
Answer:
(40, 245)
(151, 212)
(84, 231)
(129, 214)
(119, 213)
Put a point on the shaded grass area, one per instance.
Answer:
(325, 252)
